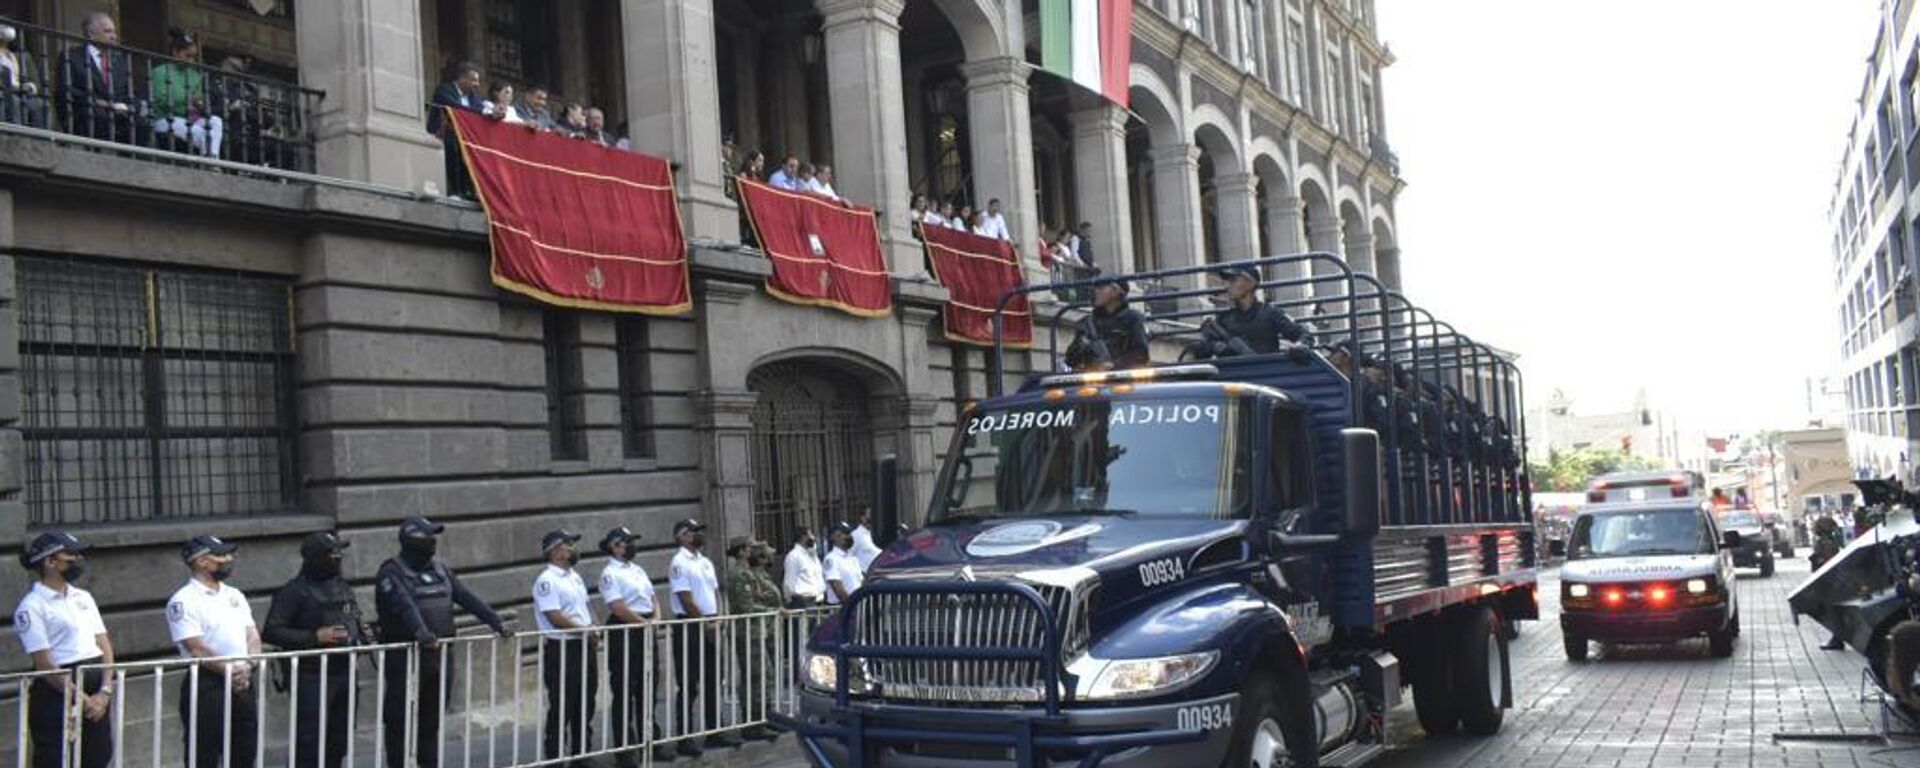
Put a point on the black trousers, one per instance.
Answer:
(211, 735)
(394, 708)
(45, 723)
(568, 672)
(626, 681)
(696, 670)
(458, 181)
(801, 603)
(317, 695)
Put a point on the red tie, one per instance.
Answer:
(106, 69)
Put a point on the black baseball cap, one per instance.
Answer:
(417, 527)
(1120, 282)
(688, 524)
(615, 536)
(49, 544)
(556, 538)
(841, 527)
(1243, 270)
(201, 546)
(321, 543)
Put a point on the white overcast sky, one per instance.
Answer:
(1630, 193)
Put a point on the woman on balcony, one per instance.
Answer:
(180, 98)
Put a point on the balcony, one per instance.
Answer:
(153, 106)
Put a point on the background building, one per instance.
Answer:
(196, 346)
(1875, 224)
(1643, 430)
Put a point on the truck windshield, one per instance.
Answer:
(1159, 457)
(1650, 532)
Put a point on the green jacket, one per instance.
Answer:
(178, 89)
(750, 590)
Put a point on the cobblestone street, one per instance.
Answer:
(1675, 705)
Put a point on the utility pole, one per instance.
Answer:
(1773, 469)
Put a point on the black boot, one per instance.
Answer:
(1833, 644)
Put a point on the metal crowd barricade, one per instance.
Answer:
(491, 704)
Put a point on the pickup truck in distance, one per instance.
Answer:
(1241, 562)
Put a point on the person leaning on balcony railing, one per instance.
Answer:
(415, 596)
(500, 106)
(533, 107)
(461, 91)
(96, 86)
(317, 610)
(20, 97)
(210, 621)
(60, 628)
(180, 98)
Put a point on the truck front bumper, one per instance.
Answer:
(909, 736)
(1644, 626)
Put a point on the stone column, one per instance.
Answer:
(869, 118)
(723, 409)
(1236, 201)
(673, 106)
(1176, 215)
(1284, 221)
(372, 125)
(1100, 181)
(1387, 260)
(1359, 251)
(1323, 236)
(1000, 132)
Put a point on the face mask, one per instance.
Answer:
(324, 568)
(630, 553)
(222, 573)
(573, 559)
(807, 542)
(73, 571)
(420, 547)
(698, 541)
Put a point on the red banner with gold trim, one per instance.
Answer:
(824, 253)
(977, 271)
(576, 224)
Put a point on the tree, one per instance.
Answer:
(1570, 471)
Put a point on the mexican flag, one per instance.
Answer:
(1089, 42)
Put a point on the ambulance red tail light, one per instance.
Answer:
(1615, 598)
(1660, 595)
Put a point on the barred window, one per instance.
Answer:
(636, 386)
(154, 394)
(566, 387)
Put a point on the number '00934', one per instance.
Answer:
(1165, 571)
(1206, 717)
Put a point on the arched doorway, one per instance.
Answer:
(812, 448)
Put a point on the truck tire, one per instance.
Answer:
(1766, 564)
(1259, 732)
(1479, 671)
(1576, 646)
(1720, 642)
(1433, 684)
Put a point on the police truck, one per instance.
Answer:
(1240, 562)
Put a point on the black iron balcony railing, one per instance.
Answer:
(62, 82)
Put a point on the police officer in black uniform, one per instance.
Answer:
(316, 609)
(1113, 335)
(1410, 440)
(417, 592)
(1261, 325)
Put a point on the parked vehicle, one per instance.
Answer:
(1756, 543)
(1649, 572)
(1193, 565)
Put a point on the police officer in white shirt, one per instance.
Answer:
(843, 570)
(210, 620)
(864, 549)
(696, 594)
(801, 579)
(60, 628)
(628, 594)
(567, 667)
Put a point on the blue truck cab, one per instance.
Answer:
(1196, 564)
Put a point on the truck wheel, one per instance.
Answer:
(1576, 646)
(1720, 642)
(1259, 732)
(1766, 564)
(1433, 685)
(1480, 671)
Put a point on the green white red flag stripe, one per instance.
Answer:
(1090, 43)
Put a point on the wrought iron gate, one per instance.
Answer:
(812, 449)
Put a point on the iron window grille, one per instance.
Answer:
(636, 386)
(154, 394)
(566, 387)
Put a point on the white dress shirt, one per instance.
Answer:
(65, 623)
(802, 576)
(864, 549)
(560, 589)
(996, 226)
(625, 582)
(821, 188)
(843, 567)
(219, 616)
(692, 573)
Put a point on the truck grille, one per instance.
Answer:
(936, 620)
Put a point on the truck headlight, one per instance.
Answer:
(1127, 678)
(822, 673)
(1697, 586)
(1578, 590)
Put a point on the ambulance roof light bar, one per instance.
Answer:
(1193, 372)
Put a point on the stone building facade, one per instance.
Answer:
(187, 349)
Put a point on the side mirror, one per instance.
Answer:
(962, 477)
(1360, 454)
(1557, 547)
(1731, 540)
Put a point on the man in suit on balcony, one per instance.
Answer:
(96, 86)
(461, 91)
